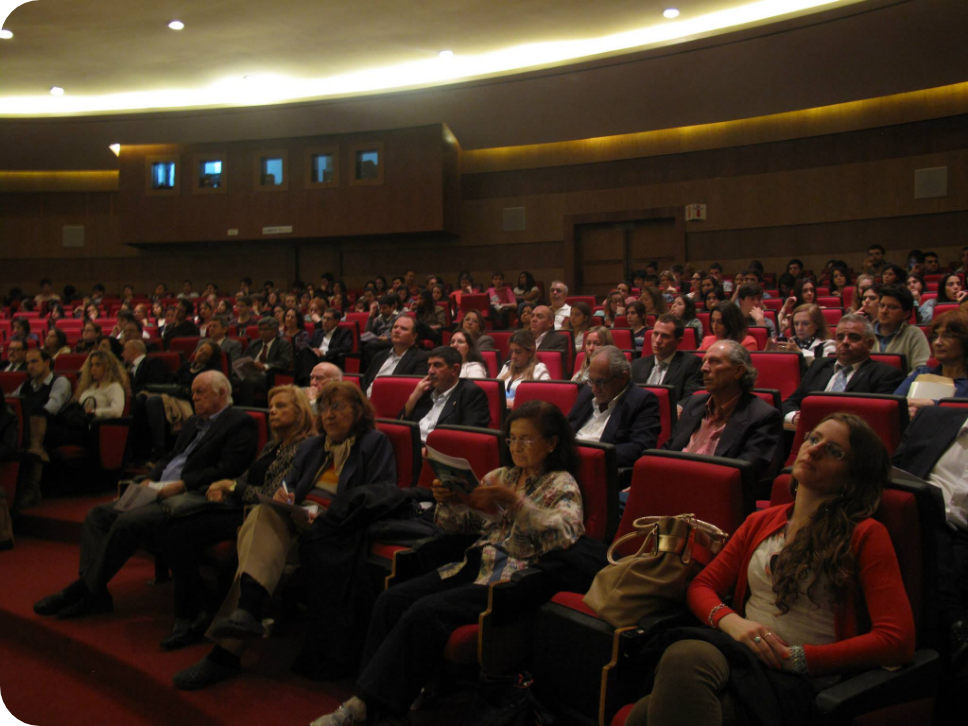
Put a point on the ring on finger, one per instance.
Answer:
(757, 640)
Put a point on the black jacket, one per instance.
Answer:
(339, 345)
(467, 406)
(871, 377)
(151, 371)
(684, 374)
(414, 362)
(633, 426)
(927, 437)
(554, 341)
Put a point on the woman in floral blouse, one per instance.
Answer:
(520, 513)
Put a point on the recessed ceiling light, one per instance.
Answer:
(446, 54)
(5, 34)
(116, 148)
(176, 25)
(670, 13)
(56, 91)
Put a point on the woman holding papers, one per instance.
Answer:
(949, 342)
(520, 513)
(348, 476)
(187, 538)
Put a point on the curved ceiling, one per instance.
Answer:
(847, 52)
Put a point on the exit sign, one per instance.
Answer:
(695, 212)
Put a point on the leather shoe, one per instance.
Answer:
(203, 674)
(240, 625)
(53, 604)
(90, 604)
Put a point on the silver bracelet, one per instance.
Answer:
(713, 612)
(798, 660)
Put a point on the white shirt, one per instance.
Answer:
(108, 400)
(325, 341)
(135, 365)
(473, 370)
(389, 365)
(561, 315)
(540, 374)
(950, 475)
(429, 421)
(595, 426)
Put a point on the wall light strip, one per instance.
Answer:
(281, 89)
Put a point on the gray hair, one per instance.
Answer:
(219, 382)
(138, 345)
(862, 320)
(739, 356)
(268, 322)
(562, 283)
(618, 364)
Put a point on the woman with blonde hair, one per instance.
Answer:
(102, 386)
(595, 338)
(810, 335)
(522, 365)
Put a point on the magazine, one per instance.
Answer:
(452, 471)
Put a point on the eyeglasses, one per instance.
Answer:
(334, 407)
(831, 450)
(599, 382)
(523, 443)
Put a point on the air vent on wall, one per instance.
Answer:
(514, 219)
(931, 183)
(73, 236)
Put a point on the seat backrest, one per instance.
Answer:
(354, 328)
(622, 337)
(895, 360)
(826, 301)
(598, 480)
(717, 490)
(562, 394)
(832, 315)
(954, 402)
(354, 378)
(483, 448)
(496, 400)
(186, 346)
(778, 370)
(475, 301)
(887, 415)
(405, 438)
(668, 414)
(492, 361)
(770, 395)
(942, 308)
(555, 363)
(261, 418)
(172, 360)
(589, 299)
(762, 335)
(69, 361)
(689, 341)
(9, 382)
(704, 319)
(390, 394)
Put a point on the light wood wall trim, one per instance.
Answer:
(13, 182)
(852, 116)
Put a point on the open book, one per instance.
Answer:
(452, 471)
(244, 368)
(928, 385)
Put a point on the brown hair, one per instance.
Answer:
(816, 317)
(955, 324)
(351, 393)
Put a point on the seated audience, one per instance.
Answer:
(667, 366)
(430, 318)
(728, 420)
(839, 279)
(269, 352)
(964, 261)
(654, 303)
(187, 538)
(216, 443)
(321, 374)
(330, 344)
(348, 472)
(950, 290)
(473, 325)
(182, 326)
(713, 298)
(20, 330)
(728, 323)
(243, 318)
(501, 299)
(684, 308)
(411, 622)
(579, 322)
(294, 326)
(442, 397)
(810, 335)
(894, 333)
(523, 363)
(612, 410)
(218, 334)
(935, 448)
(595, 338)
(16, 357)
(949, 335)
(45, 295)
(525, 313)
(815, 591)
(206, 311)
(750, 301)
(804, 293)
(543, 330)
(636, 320)
(89, 337)
(893, 275)
(142, 371)
(403, 358)
(472, 364)
(614, 306)
(851, 371)
(526, 291)
(186, 291)
(560, 309)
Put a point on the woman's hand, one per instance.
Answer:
(442, 494)
(790, 303)
(916, 404)
(283, 496)
(767, 646)
(493, 499)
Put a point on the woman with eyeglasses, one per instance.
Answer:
(949, 343)
(347, 478)
(810, 335)
(816, 592)
(473, 324)
(522, 364)
(521, 513)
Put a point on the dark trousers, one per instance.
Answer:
(952, 575)
(251, 387)
(154, 413)
(186, 540)
(409, 628)
(109, 538)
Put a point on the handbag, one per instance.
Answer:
(75, 417)
(673, 550)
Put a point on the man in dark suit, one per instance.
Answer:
(217, 332)
(614, 411)
(404, 358)
(666, 366)
(852, 371)
(443, 397)
(330, 344)
(729, 420)
(269, 351)
(16, 357)
(182, 326)
(935, 448)
(218, 442)
(543, 329)
(143, 371)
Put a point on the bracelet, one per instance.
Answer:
(713, 613)
(798, 660)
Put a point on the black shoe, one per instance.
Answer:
(90, 604)
(203, 674)
(53, 604)
(958, 639)
(240, 625)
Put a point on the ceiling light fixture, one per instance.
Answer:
(56, 91)
(670, 13)
(176, 25)
(116, 148)
(5, 34)
(446, 54)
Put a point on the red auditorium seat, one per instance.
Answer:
(172, 361)
(69, 361)
(354, 328)
(261, 418)
(778, 370)
(832, 315)
(9, 382)
(598, 479)
(622, 337)
(896, 360)
(954, 402)
(390, 394)
(405, 438)
(483, 448)
(942, 308)
(829, 302)
(555, 362)
(689, 341)
(475, 301)
(887, 415)
(492, 361)
(668, 413)
(354, 378)
(502, 342)
(562, 394)
(496, 400)
(589, 299)
(186, 346)
(762, 336)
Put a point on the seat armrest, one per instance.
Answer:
(525, 592)
(876, 689)
(427, 554)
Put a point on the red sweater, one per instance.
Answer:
(889, 639)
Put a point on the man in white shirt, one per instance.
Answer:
(561, 309)
(403, 358)
(331, 344)
(935, 448)
(443, 397)
(187, 292)
(542, 328)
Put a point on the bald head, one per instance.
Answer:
(322, 374)
(542, 320)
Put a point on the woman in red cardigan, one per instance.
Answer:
(816, 592)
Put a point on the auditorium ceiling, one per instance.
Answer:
(559, 69)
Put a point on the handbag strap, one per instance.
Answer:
(645, 533)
